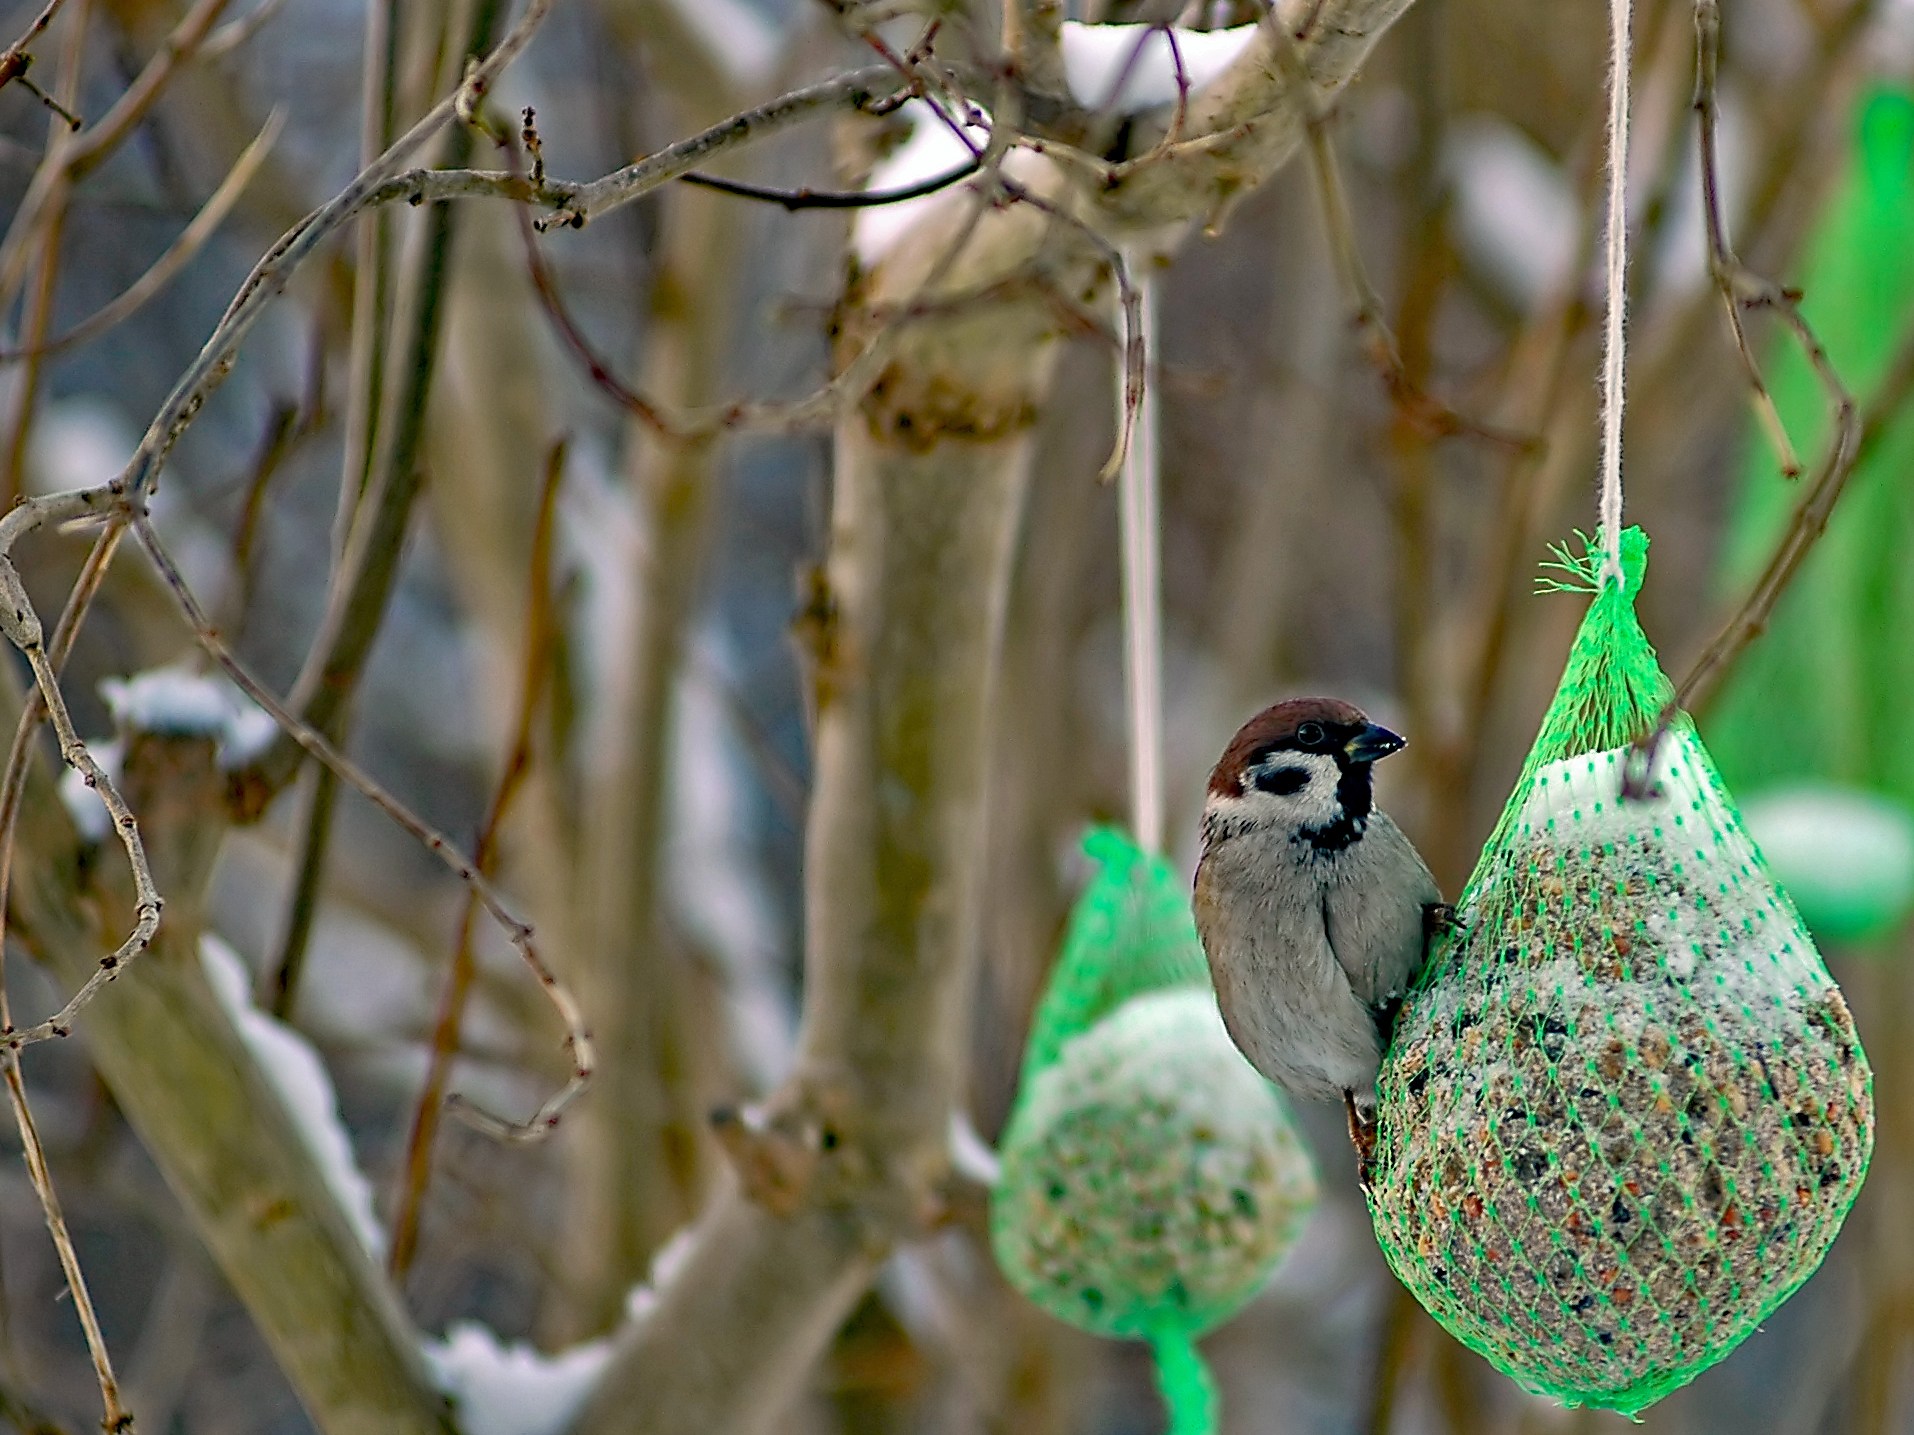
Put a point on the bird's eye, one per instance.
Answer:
(1310, 734)
(1283, 781)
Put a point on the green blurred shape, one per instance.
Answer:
(1826, 693)
(1151, 1179)
(1846, 856)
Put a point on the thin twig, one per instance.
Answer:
(796, 199)
(579, 203)
(577, 1041)
(540, 639)
(14, 62)
(270, 275)
(381, 183)
(177, 256)
(370, 279)
(910, 67)
(315, 839)
(378, 487)
(1172, 141)
(600, 370)
(1729, 276)
(765, 417)
(1427, 414)
(37, 239)
(1107, 108)
(1135, 355)
(21, 626)
(89, 148)
(12, 787)
(147, 900)
(1805, 527)
(235, 33)
(1746, 289)
(117, 1417)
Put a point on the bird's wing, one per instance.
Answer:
(1373, 912)
(1285, 1000)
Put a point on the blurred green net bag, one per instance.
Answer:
(1151, 1179)
(1625, 1112)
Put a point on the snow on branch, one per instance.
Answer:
(178, 702)
(303, 1084)
(1130, 68)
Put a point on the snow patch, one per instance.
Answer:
(931, 150)
(513, 1389)
(78, 443)
(601, 542)
(1516, 212)
(177, 702)
(300, 1077)
(716, 882)
(1095, 56)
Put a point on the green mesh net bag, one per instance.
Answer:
(1625, 1111)
(1151, 1179)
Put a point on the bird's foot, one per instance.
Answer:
(1438, 920)
(1362, 1136)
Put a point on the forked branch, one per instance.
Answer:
(1741, 289)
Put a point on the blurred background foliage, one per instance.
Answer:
(1316, 537)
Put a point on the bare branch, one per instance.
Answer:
(11, 788)
(117, 1417)
(1741, 288)
(14, 61)
(1130, 304)
(1032, 37)
(21, 626)
(272, 272)
(1727, 271)
(178, 254)
(578, 1044)
(70, 162)
(234, 34)
(535, 674)
(796, 199)
(191, 1089)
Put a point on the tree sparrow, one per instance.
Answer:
(1313, 907)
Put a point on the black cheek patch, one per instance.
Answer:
(1283, 782)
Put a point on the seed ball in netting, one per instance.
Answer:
(1151, 1179)
(1625, 1115)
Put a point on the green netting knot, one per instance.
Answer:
(1625, 1112)
(1151, 1179)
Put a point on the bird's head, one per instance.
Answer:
(1302, 767)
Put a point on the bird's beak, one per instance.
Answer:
(1371, 743)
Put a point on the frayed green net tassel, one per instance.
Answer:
(1625, 1112)
(1151, 1179)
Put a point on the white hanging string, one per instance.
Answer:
(1615, 250)
(1137, 521)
